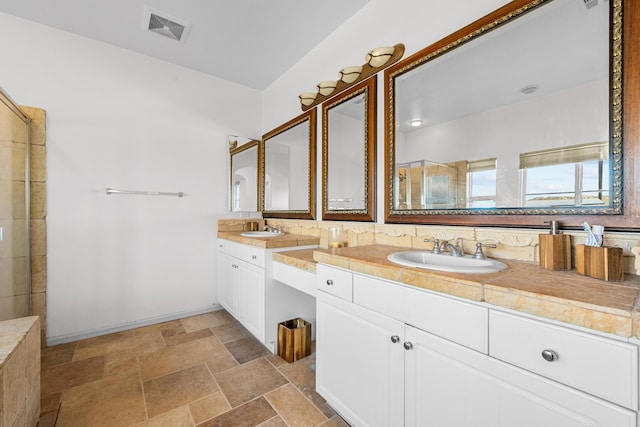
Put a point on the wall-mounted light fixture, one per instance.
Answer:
(377, 59)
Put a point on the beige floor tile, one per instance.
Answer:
(180, 388)
(113, 401)
(303, 377)
(50, 402)
(250, 414)
(209, 407)
(294, 408)
(273, 422)
(180, 357)
(179, 417)
(207, 320)
(231, 331)
(246, 382)
(176, 339)
(106, 339)
(336, 421)
(134, 346)
(89, 352)
(172, 327)
(61, 377)
(48, 419)
(58, 354)
(122, 366)
(247, 349)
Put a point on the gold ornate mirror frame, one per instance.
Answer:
(306, 119)
(623, 73)
(367, 89)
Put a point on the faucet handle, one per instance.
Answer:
(459, 246)
(479, 254)
(436, 245)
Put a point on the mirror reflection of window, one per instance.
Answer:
(568, 176)
(481, 183)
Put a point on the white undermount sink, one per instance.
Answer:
(446, 262)
(261, 233)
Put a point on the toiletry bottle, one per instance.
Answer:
(555, 248)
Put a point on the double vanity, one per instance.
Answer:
(398, 345)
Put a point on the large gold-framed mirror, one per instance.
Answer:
(244, 183)
(515, 117)
(287, 180)
(348, 154)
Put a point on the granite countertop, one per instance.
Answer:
(284, 241)
(566, 296)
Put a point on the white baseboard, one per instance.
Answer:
(62, 339)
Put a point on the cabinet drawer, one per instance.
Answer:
(600, 366)
(335, 281)
(248, 253)
(446, 317)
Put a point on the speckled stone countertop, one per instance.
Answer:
(12, 333)
(566, 296)
(284, 241)
(302, 258)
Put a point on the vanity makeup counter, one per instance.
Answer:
(566, 296)
(248, 286)
(285, 240)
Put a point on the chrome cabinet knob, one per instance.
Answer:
(329, 282)
(395, 339)
(407, 345)
(549, 355)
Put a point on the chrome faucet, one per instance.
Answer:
(479, 254)
(456, 250)
(436, 245)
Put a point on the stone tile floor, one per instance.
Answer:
(204, 371)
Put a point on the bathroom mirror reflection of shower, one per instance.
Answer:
(425, 184)
(15, 278)
(244, 163)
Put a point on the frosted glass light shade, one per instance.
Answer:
(307, 98)
(380, 55)
(350, 74)
(326, 87)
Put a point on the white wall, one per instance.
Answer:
(415, 23)
(122, 120)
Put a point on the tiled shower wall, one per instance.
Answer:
(516, 244)
(12, 214)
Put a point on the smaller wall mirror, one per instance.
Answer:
(243, 192)
(348, 154)
(288, 164)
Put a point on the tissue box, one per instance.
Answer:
(604, 263)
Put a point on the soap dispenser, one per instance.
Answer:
(555, 248)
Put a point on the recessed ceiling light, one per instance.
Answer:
(415, 123)
(529, 89)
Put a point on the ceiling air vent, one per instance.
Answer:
(590, 3)
(165, 25)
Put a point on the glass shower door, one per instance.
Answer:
(15, 287)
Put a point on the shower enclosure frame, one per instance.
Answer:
(15, 108)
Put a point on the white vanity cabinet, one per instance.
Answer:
(241, 285)
(248, 291)
(392, 355)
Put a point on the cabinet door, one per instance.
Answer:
(447, 385)
(359, 362)
(227, 290)
(250, 304)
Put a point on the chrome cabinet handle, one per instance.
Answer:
(329, 282)
(395, 339)
(407, 345)
(253, 257)
(549, 355)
